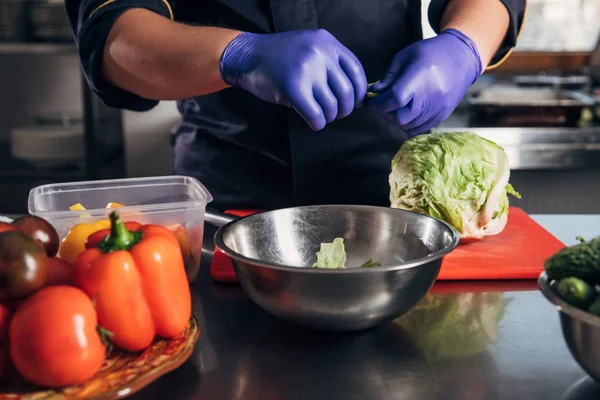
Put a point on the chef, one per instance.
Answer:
(273, 94)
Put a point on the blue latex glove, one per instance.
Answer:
(426, 81)
(310, 71)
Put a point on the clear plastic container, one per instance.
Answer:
(177, 202)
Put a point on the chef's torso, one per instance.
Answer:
(250, 153)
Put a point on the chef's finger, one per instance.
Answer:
(344, 92)
(308, 108)
(327, 101)
(356, 74)
(394, 98)
(405, 116)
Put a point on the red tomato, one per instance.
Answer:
(53, 338)
(60, 272)
(5, 314)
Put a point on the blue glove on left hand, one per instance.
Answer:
(426, 81)
(309, 71)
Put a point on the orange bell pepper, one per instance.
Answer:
(138, 283)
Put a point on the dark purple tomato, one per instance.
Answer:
(40, 230)
(23, 265)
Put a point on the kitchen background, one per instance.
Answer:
(554, 159)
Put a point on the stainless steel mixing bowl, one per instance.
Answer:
(580, 329)
(273, 253)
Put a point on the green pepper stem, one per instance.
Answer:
(106, 338)
(119, 238)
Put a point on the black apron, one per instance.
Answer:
(250, 153)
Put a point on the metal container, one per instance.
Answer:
(517, 106)
(273, 253)
(570, 82)
(580, 329)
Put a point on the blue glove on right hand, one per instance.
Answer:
(310, 71)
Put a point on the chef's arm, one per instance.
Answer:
(133, 54)
(493, 25)
(156, 58)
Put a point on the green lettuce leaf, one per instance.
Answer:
(331, 255)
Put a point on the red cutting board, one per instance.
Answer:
(518, 252)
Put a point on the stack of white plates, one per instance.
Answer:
(48, 146)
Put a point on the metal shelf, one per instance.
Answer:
(31, 48)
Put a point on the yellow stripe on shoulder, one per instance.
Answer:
(100, 6)
(501, 61)
(171, 16)
(170, 9)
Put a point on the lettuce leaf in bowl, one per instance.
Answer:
(331, 255)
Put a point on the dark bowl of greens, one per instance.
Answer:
(571, 281)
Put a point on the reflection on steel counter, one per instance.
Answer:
(204, 356)
(544, 148)
(455, 326)
(380, 364)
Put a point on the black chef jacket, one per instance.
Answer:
(254, 154)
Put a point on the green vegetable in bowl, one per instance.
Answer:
(333, 256)
(370, 263)
(457, 177)
(576, 292)
(581, 261)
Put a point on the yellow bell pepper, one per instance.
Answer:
(74, 242)
(77, 207)
(113, 204)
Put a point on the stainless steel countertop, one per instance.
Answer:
(244, 353)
